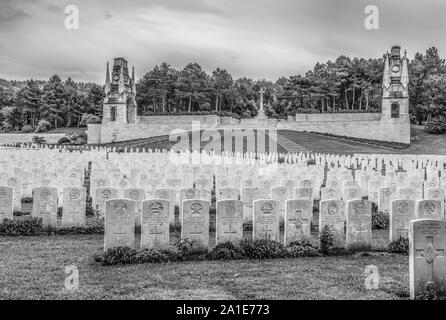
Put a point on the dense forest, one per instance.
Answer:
(343, 85)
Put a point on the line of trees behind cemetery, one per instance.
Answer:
(343, 85)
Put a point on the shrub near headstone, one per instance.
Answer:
(331, 213)
(45, 206)
(359, 225)
(74, 207)
(119, 223)
(6, 203)
(427, 262)
(155, 224)
(229, 227)
(266, 220)
(195, 224)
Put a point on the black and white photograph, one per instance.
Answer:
(224, 156)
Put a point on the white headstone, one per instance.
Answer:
(359, 225)
(119, 223)
(331, 213)
(45, 206)
(74, 207)
(297, 220)
(266, 220)
(229, 226)
(6, 203)
(427, 262)
(155, 224)
(401, 212)
(195, 223)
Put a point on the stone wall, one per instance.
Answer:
(338, 117)
(371, 126)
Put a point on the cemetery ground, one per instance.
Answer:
(33, 268)
(292, 141)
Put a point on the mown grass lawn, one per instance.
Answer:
(33, 268)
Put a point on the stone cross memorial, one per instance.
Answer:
(427, 262)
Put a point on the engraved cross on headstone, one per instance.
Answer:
(156, 231)
(196, 232)
(267, 232)
(119, 235)
(230, 232)
(402, 230)
(429, 253)
(299, 222)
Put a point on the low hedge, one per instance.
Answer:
(183, 250)
(380, 220)
(401, 245)
(26, 226)
(32, 226)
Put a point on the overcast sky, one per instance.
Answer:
(253, 38)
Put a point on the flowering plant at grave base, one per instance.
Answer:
(32, 226)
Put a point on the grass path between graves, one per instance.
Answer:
(422, 143)
(34, 268)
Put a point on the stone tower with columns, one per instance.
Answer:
(395, 98)
(120, 92)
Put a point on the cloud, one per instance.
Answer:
(9, 14)
(254, 38)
